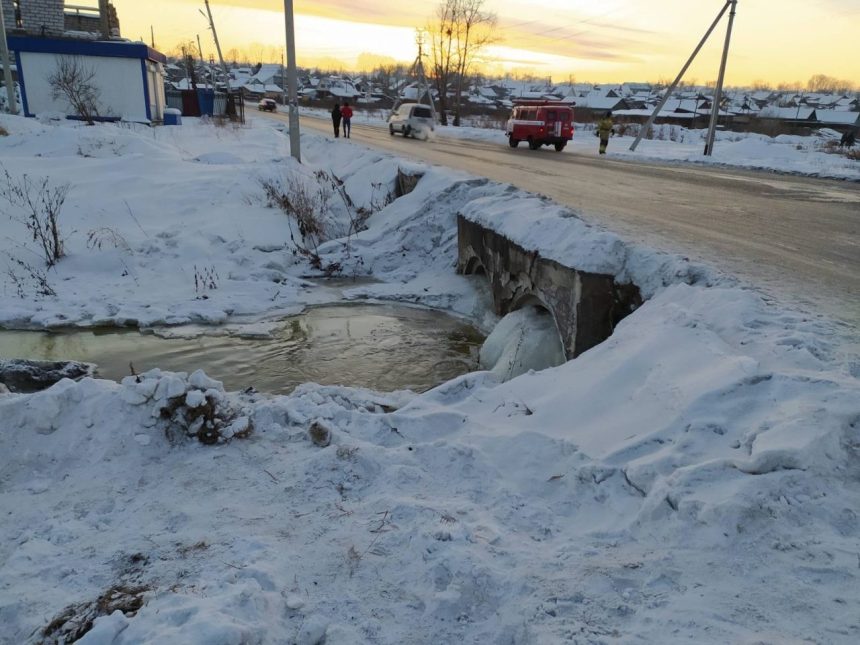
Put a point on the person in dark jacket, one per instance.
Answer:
(335, 118)
(604, 130)
(346, 113)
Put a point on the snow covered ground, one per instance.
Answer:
(813, 155)
(695, 478)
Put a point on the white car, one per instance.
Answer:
(267, 105)
(411, 118)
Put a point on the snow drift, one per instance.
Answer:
(693, 478)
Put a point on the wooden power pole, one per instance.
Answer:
(718, 92)
(292, 81)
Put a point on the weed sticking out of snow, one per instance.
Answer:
(37, 203)
(205, 280)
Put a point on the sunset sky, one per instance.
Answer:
(611, 41)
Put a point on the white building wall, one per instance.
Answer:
(119, 80)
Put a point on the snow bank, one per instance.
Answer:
(693, 478)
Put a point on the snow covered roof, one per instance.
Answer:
(267, 72)
(700, 106)
(530, 95)
(596, 102)
(838, 117)
(788, 113)
(762, 95)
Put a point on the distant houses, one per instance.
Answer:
(631, 102)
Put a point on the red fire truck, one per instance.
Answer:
(540, 123)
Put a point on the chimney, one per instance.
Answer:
(104, 18)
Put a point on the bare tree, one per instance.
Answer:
(73, 80)
(383, 76)
(474, 31)
(461, 30)
(825, 83)
(443, 50)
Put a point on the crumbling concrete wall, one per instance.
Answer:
(586, 306)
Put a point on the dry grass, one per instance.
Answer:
(77, 619)
(41, 203)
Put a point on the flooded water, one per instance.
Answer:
(376, 346)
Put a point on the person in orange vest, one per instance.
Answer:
(604, 129)
(346, 114)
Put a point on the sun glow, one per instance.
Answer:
(614, 41)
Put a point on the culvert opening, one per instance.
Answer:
(525, 339)
(406, 182)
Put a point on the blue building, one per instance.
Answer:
(128, 77)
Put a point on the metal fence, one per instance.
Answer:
(207, 103)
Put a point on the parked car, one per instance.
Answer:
(267, 105)
(411, 118)
(540, 123)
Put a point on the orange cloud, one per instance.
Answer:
(613, 40)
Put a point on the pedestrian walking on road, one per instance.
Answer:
(604, 130)
(346, 113)
(335, 119)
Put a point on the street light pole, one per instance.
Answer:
(718, 92)
(292, 81)
(12, 104)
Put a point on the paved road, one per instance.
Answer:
(795, 238)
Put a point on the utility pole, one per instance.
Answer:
(292, 81)
(678, 78)
(202, 62)
(718, 93)
(422, 79)
(283, 81)
(12, 103)
(152, 35)
(218, 46)
(417, 71)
